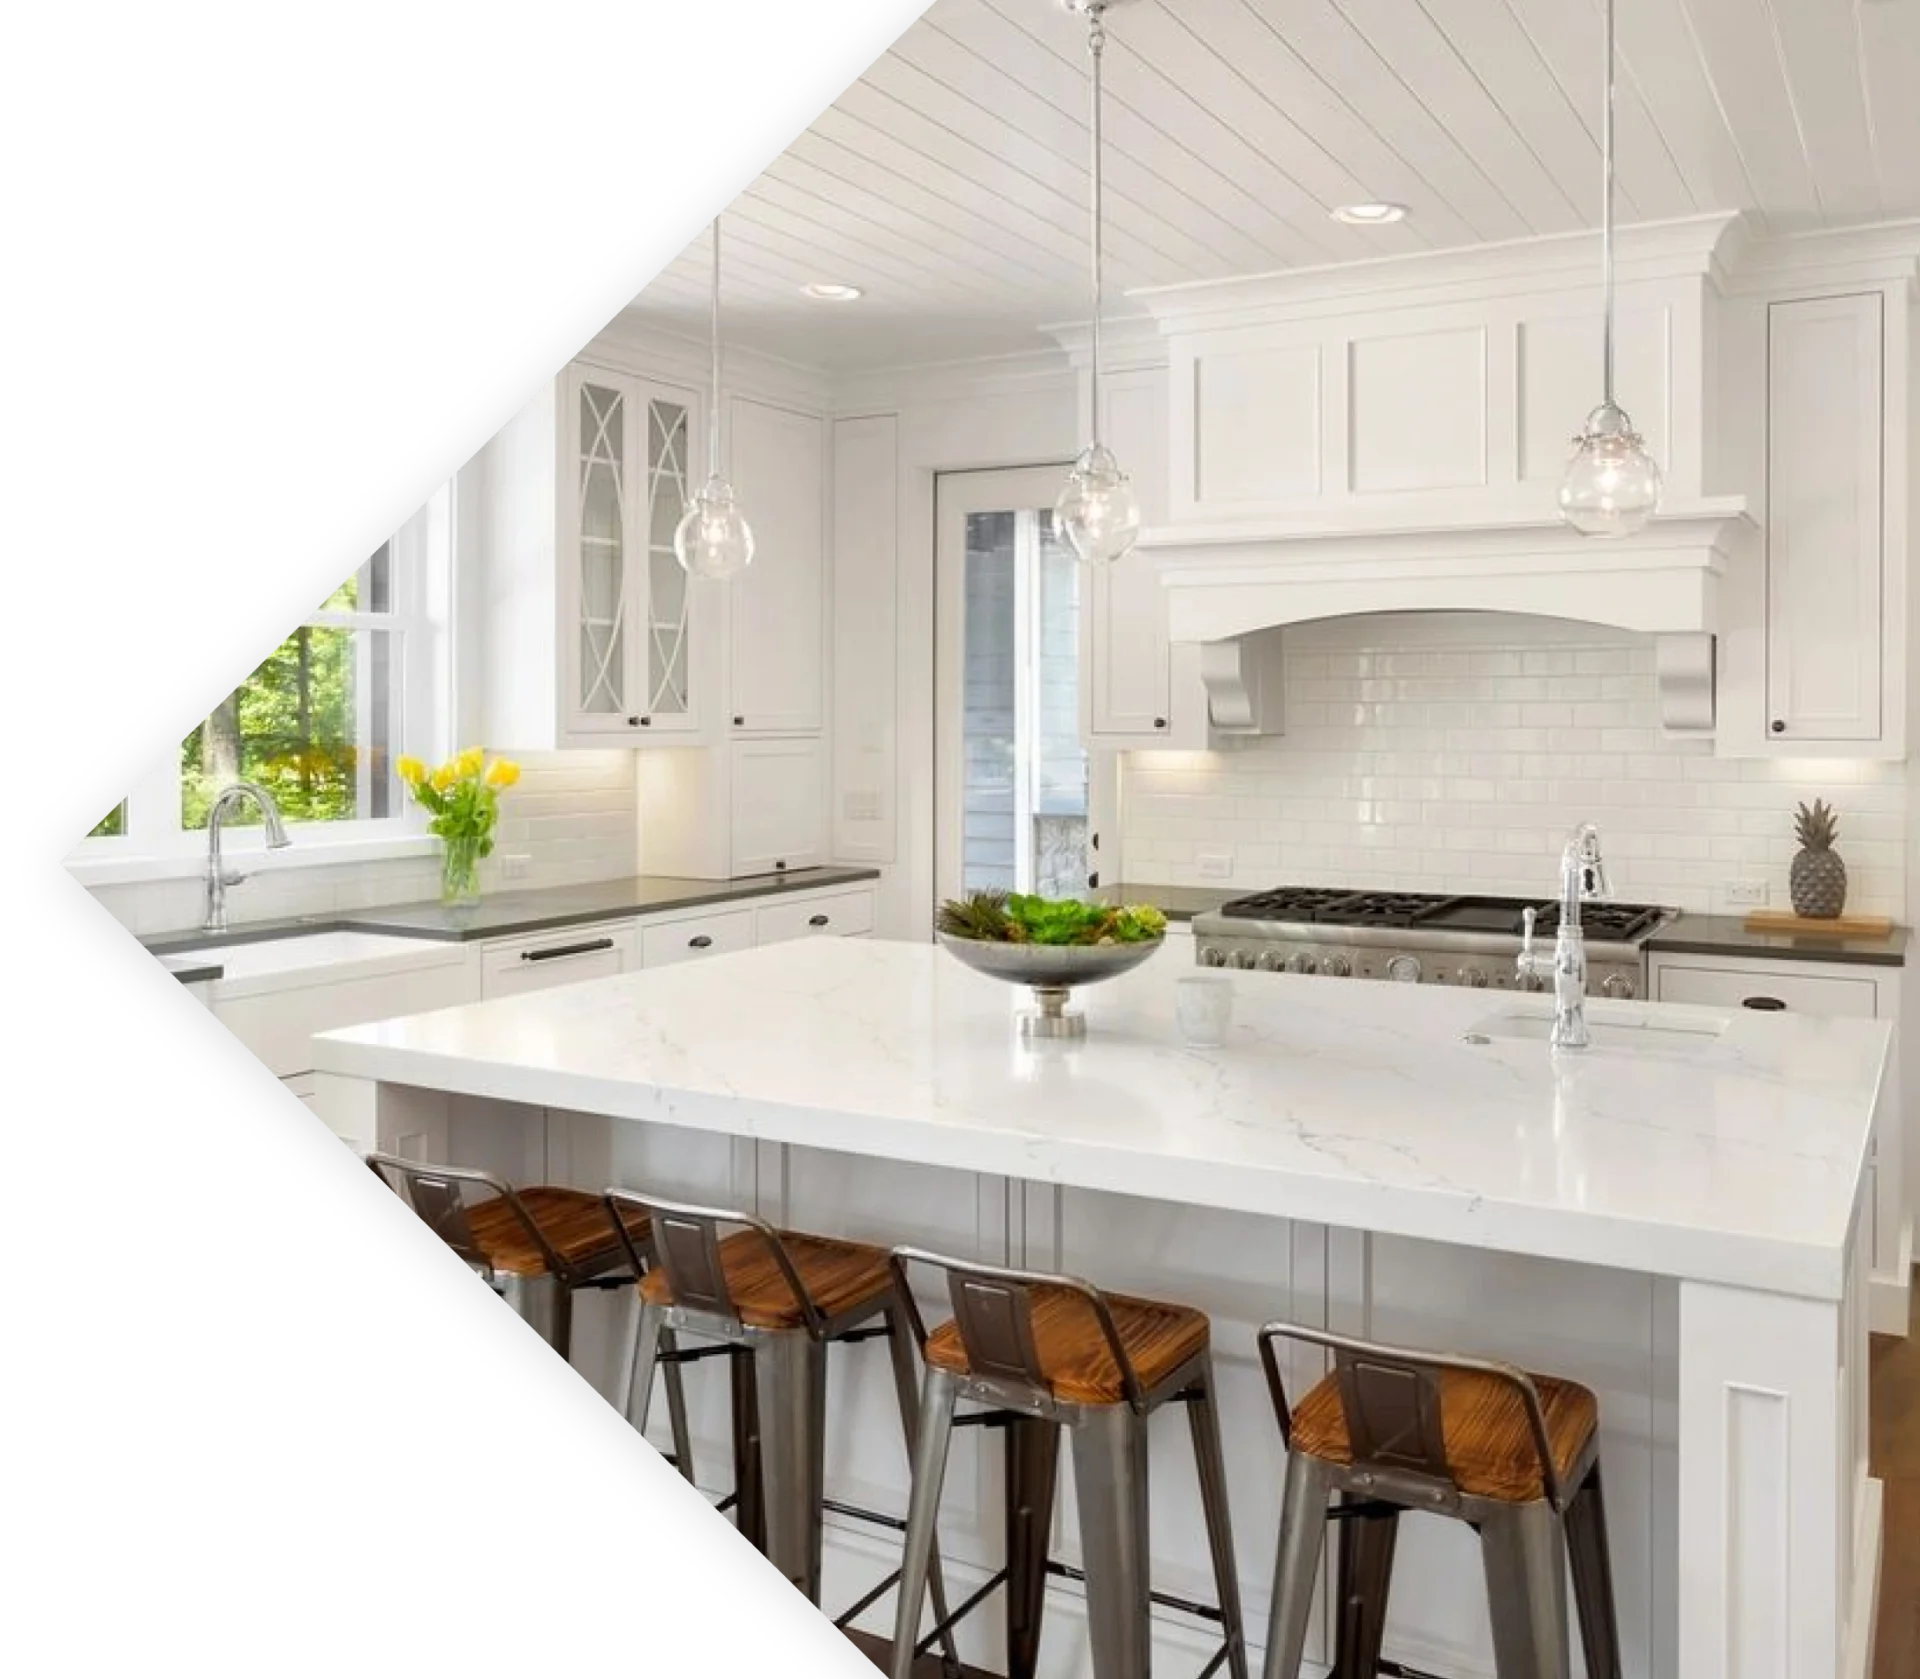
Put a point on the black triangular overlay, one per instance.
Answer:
(477, 1326)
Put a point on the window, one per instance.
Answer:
(322, 720)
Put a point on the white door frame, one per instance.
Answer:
(957, 496)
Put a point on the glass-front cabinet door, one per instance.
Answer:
(627, 626)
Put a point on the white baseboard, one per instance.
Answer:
(1863, 1609)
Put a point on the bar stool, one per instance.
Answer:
(1513, 1455)
(1046, 1353)
(535, 1247)
(780, 1298)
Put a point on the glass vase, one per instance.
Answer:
(460, 871)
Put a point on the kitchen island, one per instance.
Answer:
(1672, 1218)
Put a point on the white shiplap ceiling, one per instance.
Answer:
(950, 181)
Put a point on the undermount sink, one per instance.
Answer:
(1660, 1034)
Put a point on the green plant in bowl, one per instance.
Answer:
(1025, 918)
(1050, 945)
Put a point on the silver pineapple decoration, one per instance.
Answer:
(1818, 879)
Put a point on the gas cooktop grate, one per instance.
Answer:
(1332, 907)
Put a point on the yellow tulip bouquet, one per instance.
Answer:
(463, 797)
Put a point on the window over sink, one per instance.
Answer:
(322, 720)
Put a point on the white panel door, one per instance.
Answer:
(777, 670)
(1123, 643)
(779, 805)
(1825, 578)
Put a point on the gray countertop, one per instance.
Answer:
(1727, 935)
(1177, 903)
(503, 914)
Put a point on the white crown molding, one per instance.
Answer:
(1135, 341)
(631, 344)
(1682, 249)
(1880, 253)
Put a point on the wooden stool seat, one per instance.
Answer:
(1074, 1354)
(573, 1222)
(841, 1277)
(1490, 1448)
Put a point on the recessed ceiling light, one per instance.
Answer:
(1368, 215)
(830, 291)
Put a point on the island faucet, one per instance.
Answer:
(1583, 877)
(219, 877)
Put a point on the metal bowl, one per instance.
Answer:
(1052, 970)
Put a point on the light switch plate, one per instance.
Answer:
(515, 865)
(1745, 894)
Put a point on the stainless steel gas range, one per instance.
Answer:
(1417, 937)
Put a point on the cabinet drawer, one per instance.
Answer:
(559, 957)
(702, 935)
(1806, 993)
(843, 915)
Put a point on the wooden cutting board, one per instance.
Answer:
(1834, 927)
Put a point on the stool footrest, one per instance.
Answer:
(1400, 1670)
(953, 1620)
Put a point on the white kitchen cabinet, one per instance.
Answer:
(746, 807)
(1842, 990)
(845, 915)
(776, 669)
(688, 938)
(585, 630)
(1126, 677)
(1825, 555)
(560, 956)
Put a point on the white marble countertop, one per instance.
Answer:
(1721, 1147)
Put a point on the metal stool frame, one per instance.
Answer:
(1390, 1398)
(435, 1193)
(993, 1314)
(779, 1385)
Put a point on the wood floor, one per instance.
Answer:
(1894, 1456)
(1894, 1448)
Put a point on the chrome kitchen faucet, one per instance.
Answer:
(1583, 878)
(219, 877)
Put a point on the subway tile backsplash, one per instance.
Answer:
(573, 816)
(1454, 751)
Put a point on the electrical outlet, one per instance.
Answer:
(515, 865)
(1213, 865)
(860, 804)
(1745, 894)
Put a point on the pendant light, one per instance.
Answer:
(1612, 485)
(1097, 508)
(713, 538)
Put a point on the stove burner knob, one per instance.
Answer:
(1475, 977)
(1268, 961)
(1336, 967)
(1240, 959)
(1211, 956)
(1406, 969)
(1300, 964)
(1617, 985)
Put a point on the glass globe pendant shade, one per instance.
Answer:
(713, 538)
(1097, 509)
(1612, 485)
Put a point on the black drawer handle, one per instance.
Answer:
(700, 941)
(555, 951)
(1159, 722)
(817, 920)
(1771, 1005)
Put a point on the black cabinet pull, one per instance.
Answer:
(1093, 879)
(633, 722)
(1779, 727)
(817, 920)
(646, 722)
(700, 941)
(1771, 1005)
(1159, 722)
(554, 951)
(739, 722)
